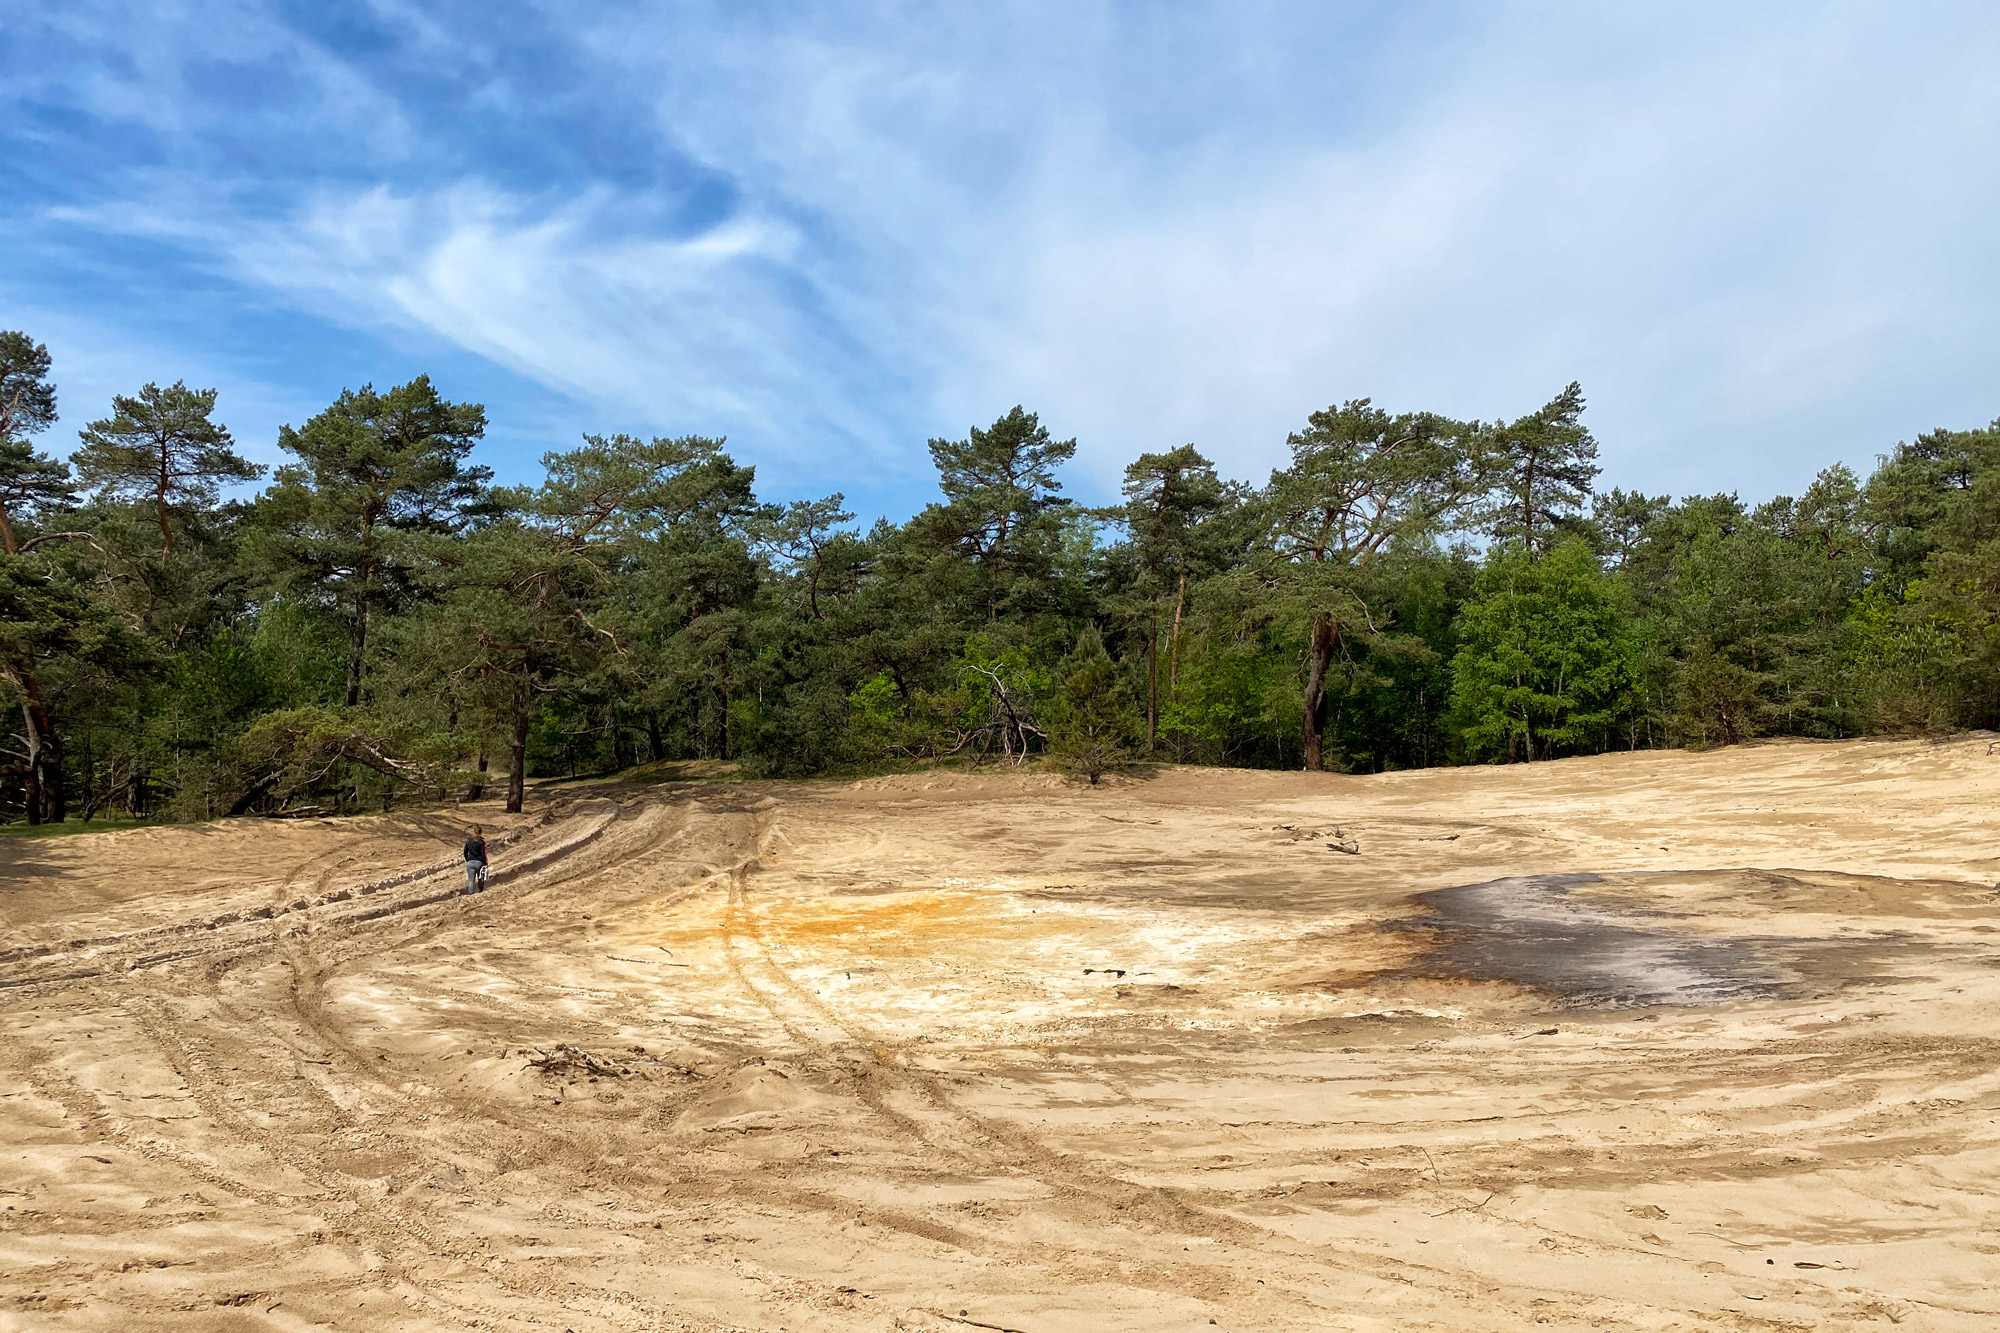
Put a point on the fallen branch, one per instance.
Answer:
(972, 1323)
(566, 1061)
(1468, 1208)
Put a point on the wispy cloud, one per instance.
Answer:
(727, 327)
(1725, 227)
(714, 325)
(1760, 238)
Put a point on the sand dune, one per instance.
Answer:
(1650, 1041)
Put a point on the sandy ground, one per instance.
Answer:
(1657, 1041)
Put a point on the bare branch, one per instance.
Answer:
(33, 542)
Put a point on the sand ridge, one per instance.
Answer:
(940, 1051)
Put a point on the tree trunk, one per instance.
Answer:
(55, 803)
(31, 797)
(517, 763)
(1174, 639)
(1325, 635)
(46, 803)
(89, 770)
(1152, 685)
(354, 658)
(722, 701)
(361, 612)
(1528, 521)
(478, 788)
(655, 751)
(999, 572)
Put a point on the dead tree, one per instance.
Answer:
(1010, 721)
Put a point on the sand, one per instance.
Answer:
(1650, 1041)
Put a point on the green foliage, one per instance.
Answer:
(1000, 489)
(1174, 536)
(1543, 465)
(1390, 688)
(1549, 656)
(344, 756)
(382, 623)
(352, 526)
(27, 398)
(299, 653)
(1917, 664)
(31, 483)
(1745, 613)
(1092, 722)
(994, 702)
(1236, 704)
(162, 448)
(879, 716)
(1363, 487)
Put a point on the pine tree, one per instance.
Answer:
(377, 473)
(996, 482)
(163, 447)
(30, 482)
(1092, 722)
(37, 620)
(1544, 465)
(1168, 499)
(1361, 484)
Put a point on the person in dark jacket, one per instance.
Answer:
(475, 861)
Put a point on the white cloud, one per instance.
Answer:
(682, 327)
(720, 330)
(154, 65)
(1738, 242)
(1746, 232)
(1760, 238)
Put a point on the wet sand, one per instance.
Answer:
(1658, 1041)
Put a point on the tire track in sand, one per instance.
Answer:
(923, 1108)
(407, 1238)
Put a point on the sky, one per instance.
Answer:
(1762, 237)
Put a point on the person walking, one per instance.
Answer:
(475, 860)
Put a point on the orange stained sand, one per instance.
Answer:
(899, 924)
(995, 1050)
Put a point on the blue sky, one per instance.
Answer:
(1762, 236)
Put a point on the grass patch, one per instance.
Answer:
(69, 826)
(665, 770)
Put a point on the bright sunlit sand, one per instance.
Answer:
(1708, 1046)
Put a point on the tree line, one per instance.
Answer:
(382, 622)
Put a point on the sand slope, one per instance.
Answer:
(1658, 1041)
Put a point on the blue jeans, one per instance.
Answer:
(475, 876)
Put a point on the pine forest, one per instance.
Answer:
(188, 635)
